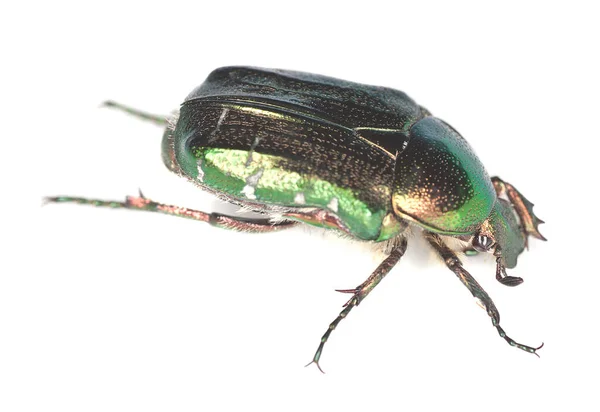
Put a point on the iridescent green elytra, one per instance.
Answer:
(364, 160)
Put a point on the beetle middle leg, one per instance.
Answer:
(361, 292)
(251, 225)
(455, 265)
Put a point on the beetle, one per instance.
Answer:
(367, 161)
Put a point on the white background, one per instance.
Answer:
(106, 310)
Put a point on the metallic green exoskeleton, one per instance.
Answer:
(365, 160)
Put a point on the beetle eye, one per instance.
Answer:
(482, 243)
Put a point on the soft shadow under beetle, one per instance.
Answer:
(367, 161)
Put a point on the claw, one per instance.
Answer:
(536, 349)
(347, 290)
(356, 295)
(316, 362)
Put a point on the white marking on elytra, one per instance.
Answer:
(252, 147)
(333, 204)
(213, 135)
(251, 183)
(248, 191)
(299, 198)
(200, 177)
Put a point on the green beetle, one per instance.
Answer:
(367, 161)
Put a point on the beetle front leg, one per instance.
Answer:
(455, 265)
(250, 225)
(361, 292)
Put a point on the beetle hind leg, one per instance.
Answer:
(140, 202)
(455, 265)
(361, 292)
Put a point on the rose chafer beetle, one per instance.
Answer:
(364, 160)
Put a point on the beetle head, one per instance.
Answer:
(501, 234)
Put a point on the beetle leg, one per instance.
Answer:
(455, 265)
(523, 207)
(251, 225)
(501, 275)
(503, 278)
(361, 292)
(160, 120)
